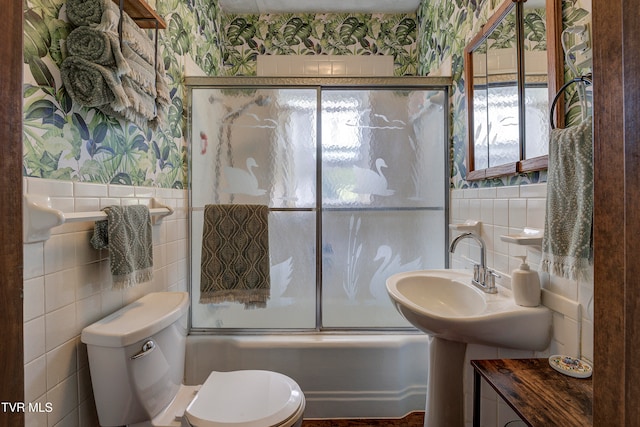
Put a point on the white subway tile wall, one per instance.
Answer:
(67, 286)
(508, 210)
(324, 65)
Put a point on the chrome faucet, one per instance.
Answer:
(483, 277)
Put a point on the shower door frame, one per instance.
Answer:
(319, 83)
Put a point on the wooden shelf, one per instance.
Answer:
(143, 14)
(536, 392)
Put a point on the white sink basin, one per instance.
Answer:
(444, 304)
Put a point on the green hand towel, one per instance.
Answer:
(127, 234)
(86, 12)
(235, 255)
(567, 240)
(104, 15)
(99, 47)
(92, 85)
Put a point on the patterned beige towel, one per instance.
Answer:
(127, 234)
(235, 255)
(567, 240)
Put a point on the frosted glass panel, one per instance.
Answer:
(254, 146)
(498, 137)
(503, 128)
(481, 127)
(257, 146)
(363, 249)
(537, 127)
(383, 195)
(382, 148)
(293, 270)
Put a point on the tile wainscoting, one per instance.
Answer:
(67, 286)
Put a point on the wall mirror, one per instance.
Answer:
(513, 68)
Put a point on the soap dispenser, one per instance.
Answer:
(525, 284)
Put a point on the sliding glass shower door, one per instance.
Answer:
(383, 198)
(355, 179)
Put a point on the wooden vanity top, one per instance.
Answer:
(541, 396)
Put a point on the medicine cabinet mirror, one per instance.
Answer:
(513, 68)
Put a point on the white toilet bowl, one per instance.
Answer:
(136, 359)
(249, 398)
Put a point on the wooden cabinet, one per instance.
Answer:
(541, 396)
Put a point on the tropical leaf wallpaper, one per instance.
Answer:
(247, 36)
(63, 140)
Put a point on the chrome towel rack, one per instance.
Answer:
(39, 217)
(587, 79)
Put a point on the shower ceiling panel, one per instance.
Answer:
(315, 6)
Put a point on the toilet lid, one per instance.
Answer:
(249, 398)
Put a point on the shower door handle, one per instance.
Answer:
(147, 348)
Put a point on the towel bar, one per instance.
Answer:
(587, 79)
(39, 217)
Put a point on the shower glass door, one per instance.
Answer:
(355, 179)
(258, 146)
(383, 198)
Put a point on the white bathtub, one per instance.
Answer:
(342, 376)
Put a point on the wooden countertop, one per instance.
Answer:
(541, 396)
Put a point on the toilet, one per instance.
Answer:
(136, 359)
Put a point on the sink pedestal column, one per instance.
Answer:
(445, 395)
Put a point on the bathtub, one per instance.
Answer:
(342, 376)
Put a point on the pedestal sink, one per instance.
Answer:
(453, 312)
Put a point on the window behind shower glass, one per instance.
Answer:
(356, 185)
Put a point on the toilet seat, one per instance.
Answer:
(251, 398)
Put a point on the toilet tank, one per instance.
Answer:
(136, 357)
